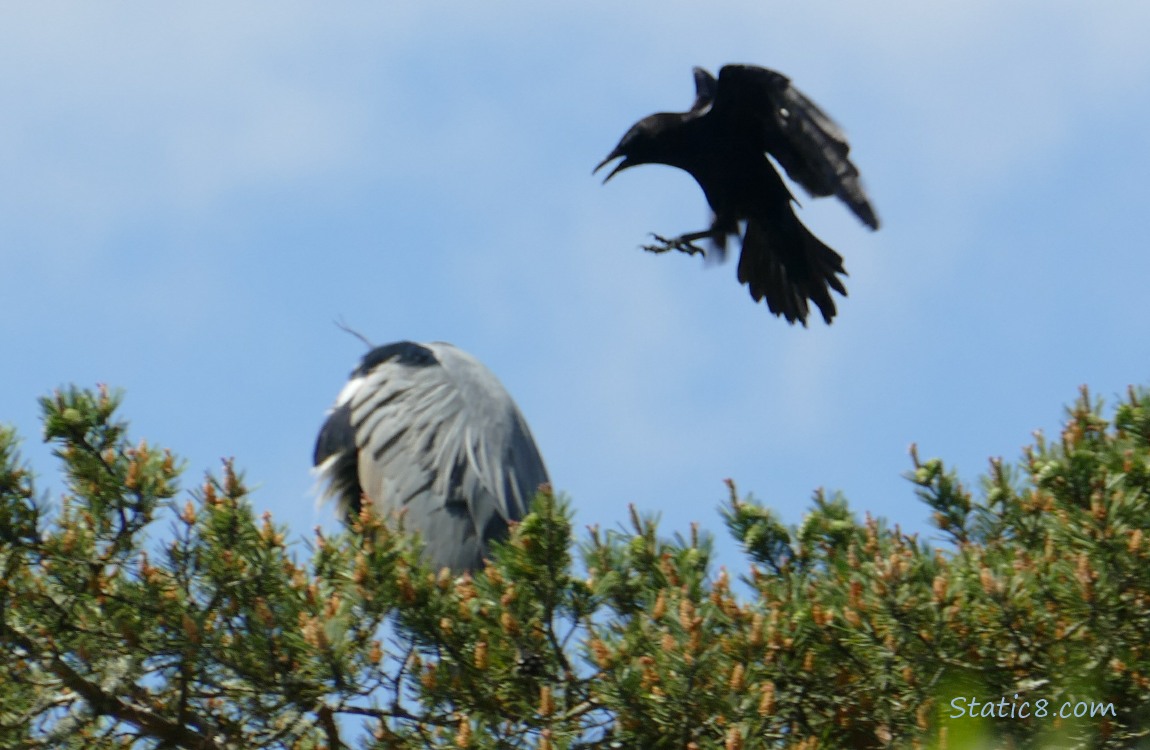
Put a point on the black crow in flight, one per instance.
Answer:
(723, 141)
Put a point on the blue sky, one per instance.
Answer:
(192, 194)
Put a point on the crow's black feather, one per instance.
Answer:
(723, 141)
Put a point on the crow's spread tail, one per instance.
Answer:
(790, 267)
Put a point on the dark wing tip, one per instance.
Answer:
(705, 88)
(850, 191)
(704, 81)
(804, 139)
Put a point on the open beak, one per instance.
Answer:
(618, 167)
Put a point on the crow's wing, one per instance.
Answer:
(705, 87)
(794, 130)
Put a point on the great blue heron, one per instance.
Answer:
(723, 141)
(426, 429)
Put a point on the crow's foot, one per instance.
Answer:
(683, 244)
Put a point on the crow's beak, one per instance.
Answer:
(618, 167)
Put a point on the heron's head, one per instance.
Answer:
(644, 143)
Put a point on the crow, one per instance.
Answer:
(723, 141)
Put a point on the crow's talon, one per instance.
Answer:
(674, 243)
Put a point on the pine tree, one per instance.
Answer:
(132, 615)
